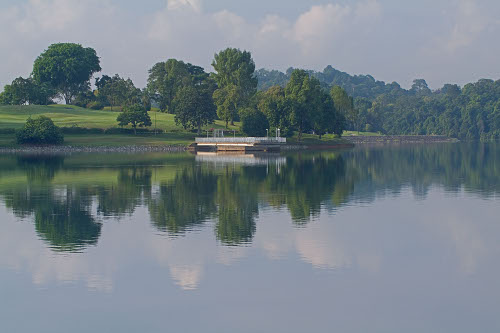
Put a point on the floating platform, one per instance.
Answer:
(242, 145)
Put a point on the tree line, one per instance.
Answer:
(195, 97)
(469, 112)
(295, 101)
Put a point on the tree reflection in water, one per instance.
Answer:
(67, 211)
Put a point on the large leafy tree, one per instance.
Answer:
(305, 97)
(254, 122)
(166, 78)
(226, 101)
(25, 91)
(326, 118)
(193, 105)
(66, 67)
(235, 77)
(274, 104)
(135, 115)
(118, 91)
(345, 106)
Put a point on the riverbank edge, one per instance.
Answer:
(399, 139)
(347, 142)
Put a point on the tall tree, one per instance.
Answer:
(274, 104)
(254, 122)
(166, 78)
(119, 91)
(226, 101)
(345, 106)
(193, 105)
(234, 74)
(67, 67)
(304, 95)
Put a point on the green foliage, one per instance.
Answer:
(26, 91)
(356, 85)
(326, 118)
(253, 122)
(166, 78)
(235, 80)
(135, 115)
(193, 105)
(117, 91)
(274, 104)
(67, 68)
(226, 101)
(40, 130)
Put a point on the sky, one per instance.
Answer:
(442, 41)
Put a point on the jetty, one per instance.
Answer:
(238, 144)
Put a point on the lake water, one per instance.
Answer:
(373, 239)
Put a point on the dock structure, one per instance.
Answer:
(238, 144)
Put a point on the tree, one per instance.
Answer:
(304, 97)
(326, 118)
(118, 92)
(254, 122)
(25, 91)
(345, 106)
(134, 115)
(226, 101)
(420, 88)
(66, 67)
(236, 80)
(40, 130)
(194, 107)
(274, 104)
(166, 78)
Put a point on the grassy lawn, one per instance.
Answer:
(355, 133)
(309, 139)
(68, 115)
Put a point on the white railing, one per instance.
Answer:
(262, 140)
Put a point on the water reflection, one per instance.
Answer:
(302, 241)
(67, 201)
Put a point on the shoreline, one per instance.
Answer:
(399, 139)
(349, 142)
(93, 149)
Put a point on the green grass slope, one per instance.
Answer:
(68, 115)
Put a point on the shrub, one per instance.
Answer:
(254, 122)
(40, 130)
(135, 115)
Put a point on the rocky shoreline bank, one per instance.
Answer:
(92, 149)
(350, 142)
(382, 139)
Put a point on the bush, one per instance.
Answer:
(254, 122)
(40, 130)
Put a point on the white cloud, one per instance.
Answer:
(469, 23)
(183, 4)
(364, 36)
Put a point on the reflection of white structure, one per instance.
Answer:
(244, 159)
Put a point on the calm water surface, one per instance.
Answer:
(380, 239)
